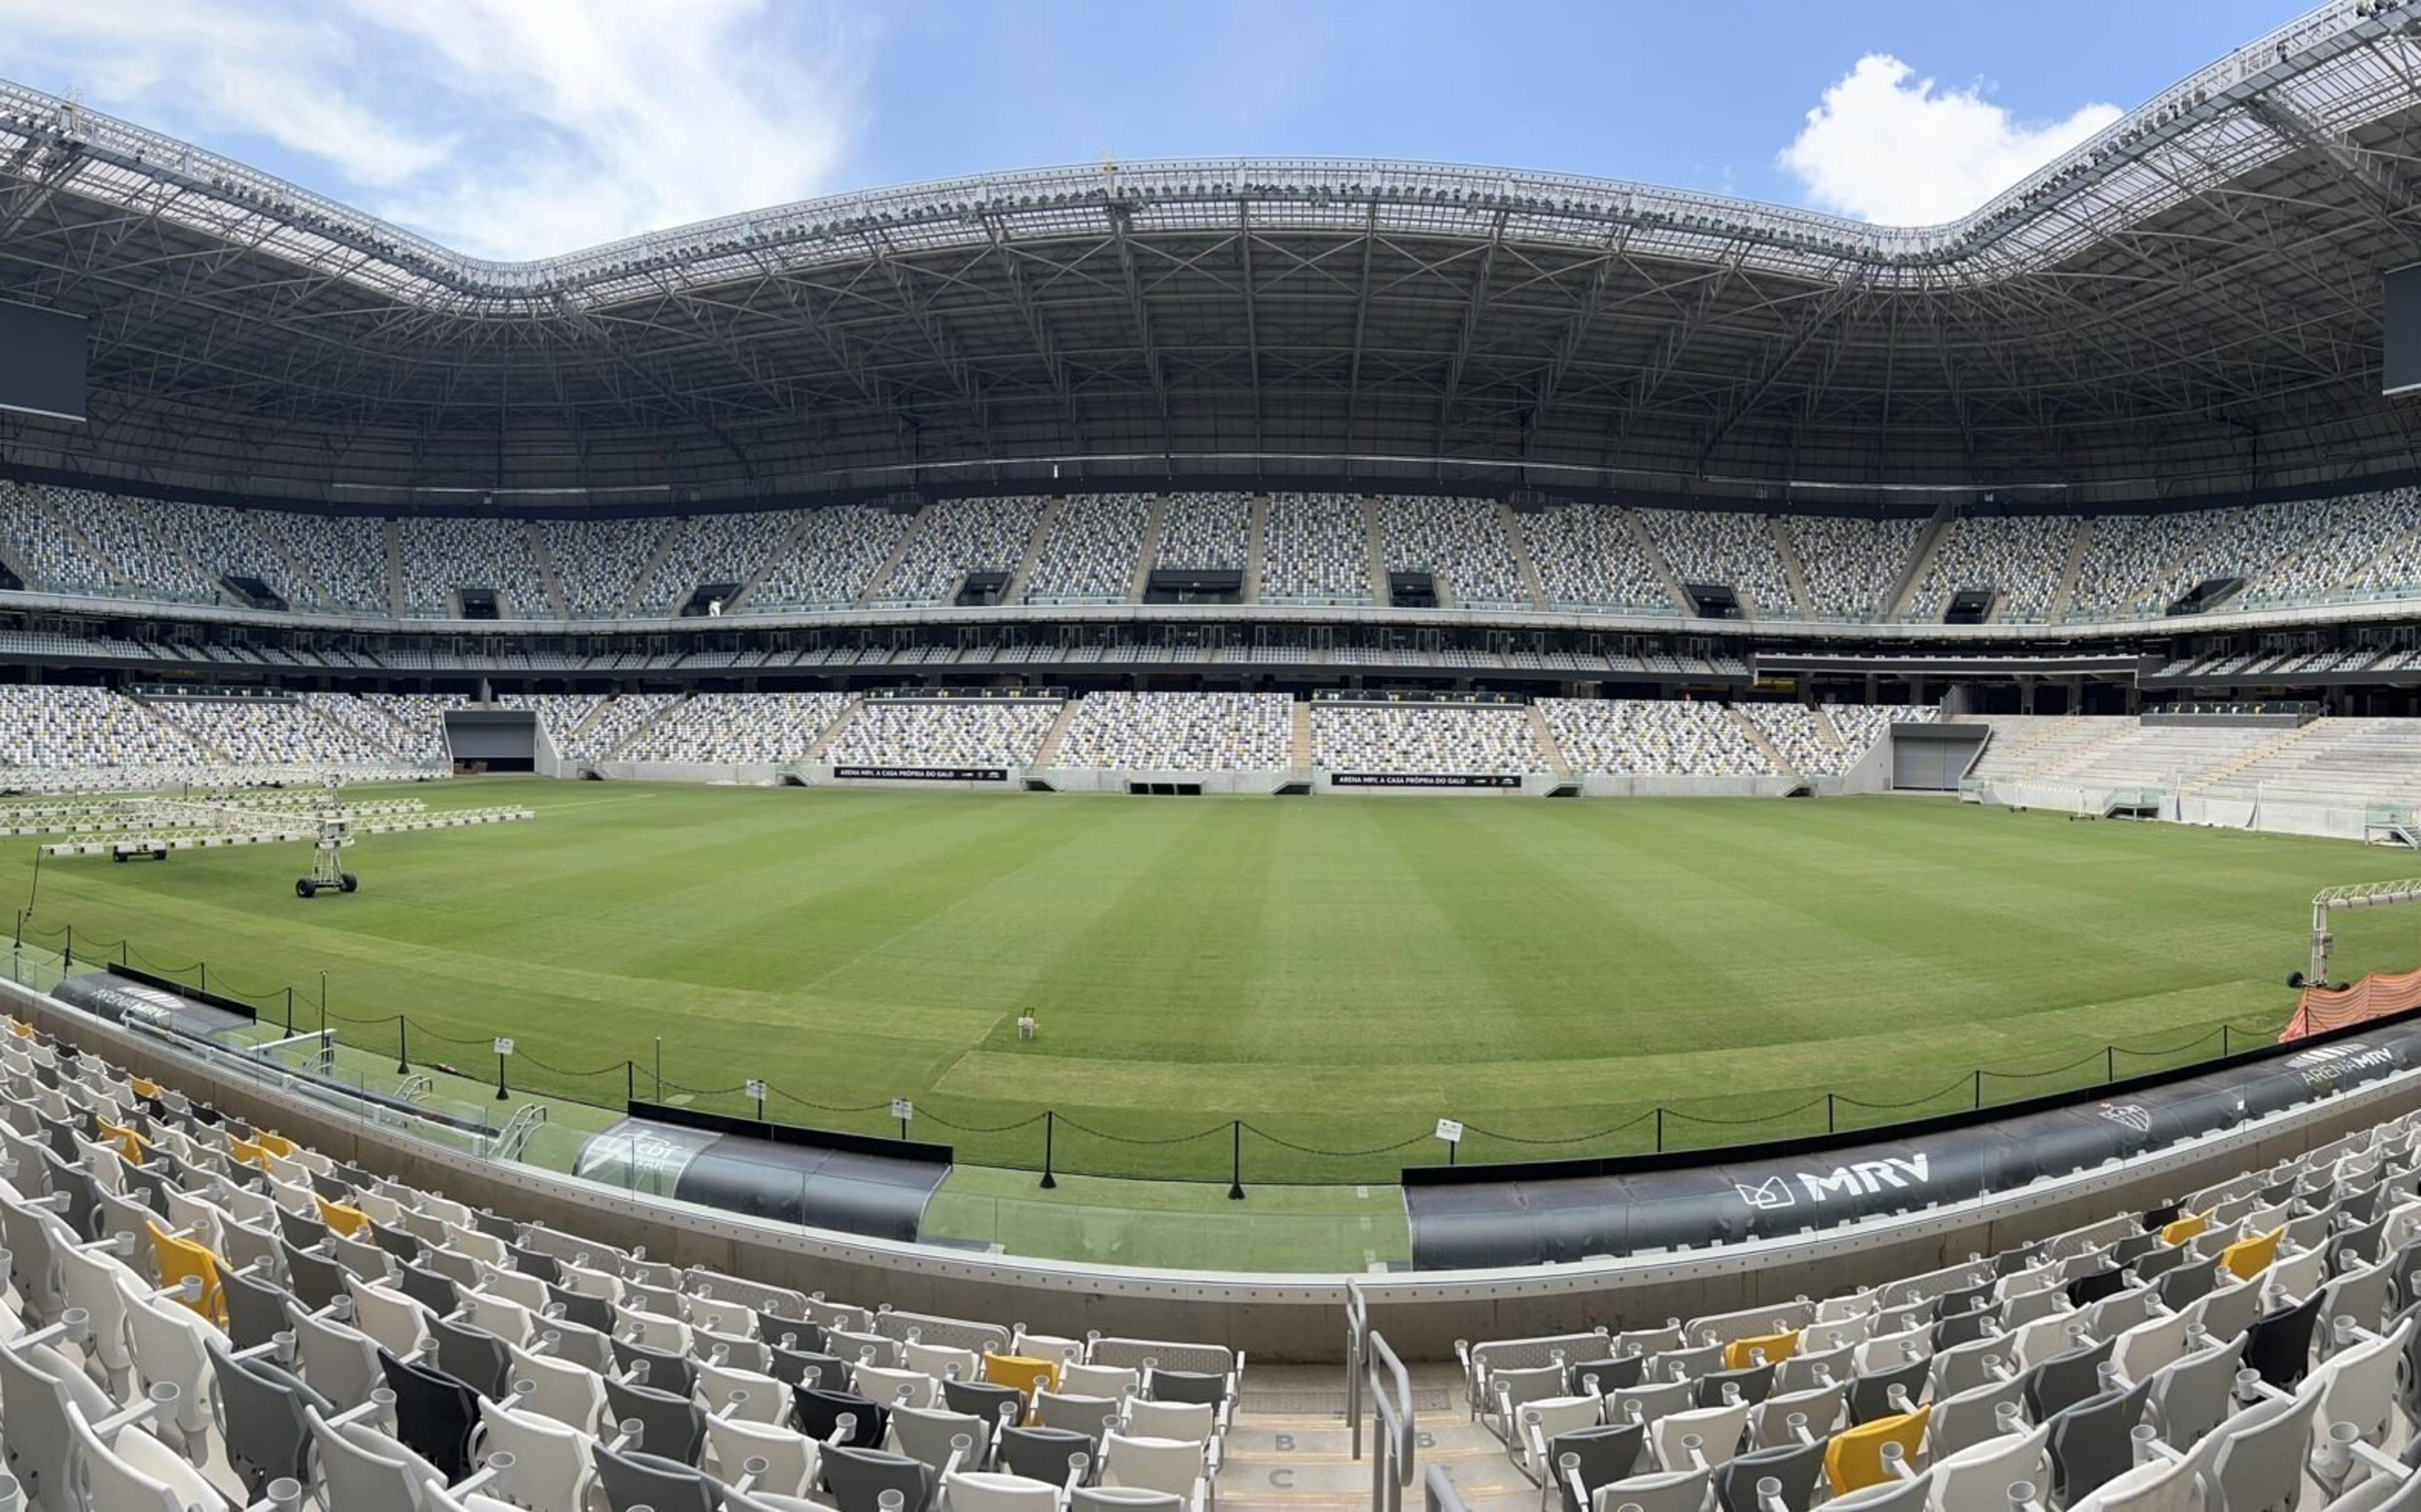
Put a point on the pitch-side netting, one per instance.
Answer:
(2379, 995)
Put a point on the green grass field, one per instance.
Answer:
(1335, 973)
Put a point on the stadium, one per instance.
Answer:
(1656, 852)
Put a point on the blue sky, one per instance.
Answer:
(515, 127)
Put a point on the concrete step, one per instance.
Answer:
(1655, 557)
(1310, 1476)
(550, 581)
(1518, 539)
(1256, 522)
(1044, 523)
(1329, 1437)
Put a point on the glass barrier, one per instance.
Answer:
(1272, 1193)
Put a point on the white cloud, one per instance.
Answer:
(503, 127)
(1886, 146)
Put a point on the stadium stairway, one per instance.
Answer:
(1521, 542)
(1155, 521)
(1748, 726)
(2079, 542)
(1918, 560)
(1370, 541)
(1015, 592)
(878, 582)
(2077, 744)
(397, 734)
(1793, 571)
(647, 570)
(1047, 754)
(2011, 739)
(1827, 731)
(2279, 744)
(1655, 558)
(1289, 1448)
(175, 729)
(631, 737)
(570, 739)
(557, 605)
(1546, 739)
(824, 737)
(300, 587)
(1299, 751)
(770, 559)
(1256, 521)
(398, 603)
(80, 543)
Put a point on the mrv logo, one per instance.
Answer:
(2325, 1063)
(1856, 1179)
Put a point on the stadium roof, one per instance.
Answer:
(2188, 304)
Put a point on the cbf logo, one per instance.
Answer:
(2132, 1115)
(1857, 1179)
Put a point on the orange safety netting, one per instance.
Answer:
(2375, 996)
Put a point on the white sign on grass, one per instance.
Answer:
(1450, 1131)
(503, 1047)
(902, 1109)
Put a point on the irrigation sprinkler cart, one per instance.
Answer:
(327, 867)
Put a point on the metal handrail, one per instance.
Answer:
(1438, 1492)
(1365, 1350)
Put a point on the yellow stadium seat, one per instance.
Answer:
(128, 1144)
(1776, 1346)
(143, 1088)
(278, 1144)
(349, 1222)
(1854, 1458)
(2248, 1258)
(244, 1152)
(180, 1258)
(1024, 1372)
(21, 1029)
(2182, 1229)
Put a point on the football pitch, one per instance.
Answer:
(1305, 987)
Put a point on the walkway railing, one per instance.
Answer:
(1392, 1448)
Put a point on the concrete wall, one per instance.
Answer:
(1871, 773)
(1534, 785)
(1090, 780)
(1644, 784)
(2267, 815)
(729, 774)
(820, 774)
(1281, 1317)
